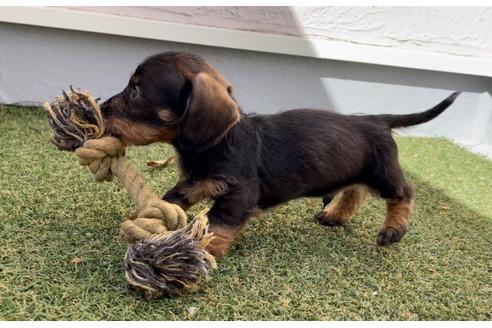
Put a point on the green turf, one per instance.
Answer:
(283, 267)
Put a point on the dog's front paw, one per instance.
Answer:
(324, 218)
(390, 235)
(222, 240)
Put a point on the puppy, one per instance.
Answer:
(250, 163)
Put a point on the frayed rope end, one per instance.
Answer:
(75, 117)
(168, 263)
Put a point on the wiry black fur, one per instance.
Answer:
(271, 159)
(266, 160)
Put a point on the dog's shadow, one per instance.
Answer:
(443, 234)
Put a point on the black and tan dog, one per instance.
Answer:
(248, 163)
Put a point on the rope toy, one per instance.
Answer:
(169, 255)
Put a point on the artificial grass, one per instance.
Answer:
(284, 265)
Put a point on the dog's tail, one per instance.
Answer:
(399, 121)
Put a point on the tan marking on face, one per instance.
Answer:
(167, 116)
(136, 133)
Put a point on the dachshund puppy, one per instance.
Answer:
(248, 163)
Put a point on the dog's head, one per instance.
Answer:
(173, 95)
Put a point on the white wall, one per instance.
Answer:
(462, 31)
(36, 63)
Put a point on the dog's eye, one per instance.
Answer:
(134, 92)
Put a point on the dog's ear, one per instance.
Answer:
(210, 113)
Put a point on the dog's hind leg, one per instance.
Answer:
(399, 204)
(327, 199)
(340, 209)
(399, 196)
(396, 223)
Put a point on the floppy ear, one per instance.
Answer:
(210, 114)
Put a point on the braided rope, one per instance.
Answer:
(105, 159)
(167, 254)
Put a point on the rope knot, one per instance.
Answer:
(97, 154)
(157, 218)
(167, 254)
(172, 214)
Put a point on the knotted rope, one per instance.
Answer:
(168, 254)
(105, 159)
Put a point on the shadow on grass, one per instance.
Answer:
(440, 270)
(285, 266)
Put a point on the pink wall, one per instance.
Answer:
(276, 20)
(461, 31)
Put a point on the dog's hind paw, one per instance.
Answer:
(388, 236)
(325, 219)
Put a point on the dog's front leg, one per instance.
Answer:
(227, 216)
(178, 195)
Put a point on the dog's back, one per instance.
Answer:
(307, 152)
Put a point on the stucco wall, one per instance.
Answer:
(36, 63)
(463, 31)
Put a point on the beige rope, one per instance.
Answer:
(166, 255)
(105, 159)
